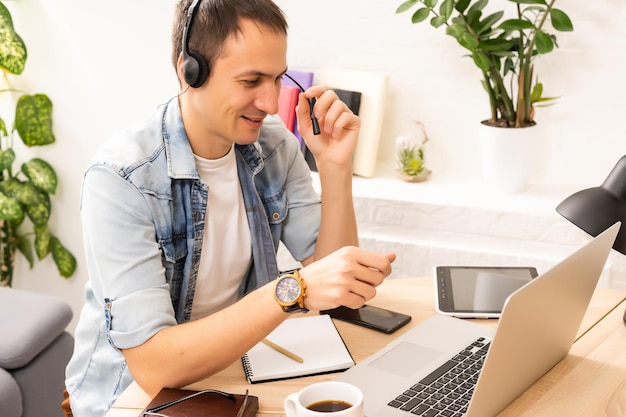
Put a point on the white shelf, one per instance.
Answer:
(436, 222)
(536, 199)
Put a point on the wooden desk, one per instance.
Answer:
(413, 296)
(590, 381)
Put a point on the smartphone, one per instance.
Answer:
(372, 317)
(477, 291)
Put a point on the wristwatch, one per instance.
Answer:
(289, 292)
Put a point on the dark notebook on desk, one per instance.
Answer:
(170, 402)
(538, 325)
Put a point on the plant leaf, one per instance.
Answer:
(39, 213)
(461, 5)
(455, 30)
(529, 2)
(41, 174)
(468, 41)
(65, 261)
(42, 241)
(509, 66)
(10, 208)
(544, 43)
(536, 93)
(516, 24)
(438, 21)
(487, 23)
(33, 120)
(7, 157)
(446, 8)
(33, 200)
(24, 192)
(24, 246)
(561, 21)
(406, 6)
(497, 45)
(3, 128)
(479, 5)
(12, 48)
(473, 17)
(420, 15)
(482, 61)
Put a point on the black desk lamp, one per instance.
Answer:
(596, 209)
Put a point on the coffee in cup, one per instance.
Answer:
(326, 406)
(325, 399)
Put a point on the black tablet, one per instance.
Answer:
(477, 291)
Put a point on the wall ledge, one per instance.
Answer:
(437, 222)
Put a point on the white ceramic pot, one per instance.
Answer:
(507, 156)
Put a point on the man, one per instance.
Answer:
(182, 215)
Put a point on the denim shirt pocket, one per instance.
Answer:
(173, 255)
(275, 207)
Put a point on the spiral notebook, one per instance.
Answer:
(313, 338)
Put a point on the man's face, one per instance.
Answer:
(242, 88)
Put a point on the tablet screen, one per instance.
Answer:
(471, 289)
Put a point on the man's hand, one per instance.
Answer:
(348, 276)
(339, 127)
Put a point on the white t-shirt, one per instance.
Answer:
(226, 247)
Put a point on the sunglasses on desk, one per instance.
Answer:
(154, 411)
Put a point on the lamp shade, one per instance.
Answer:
(596, 209)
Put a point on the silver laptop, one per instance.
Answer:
(452, 367)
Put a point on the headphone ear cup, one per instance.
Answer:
(195, 69)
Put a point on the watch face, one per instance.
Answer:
(288, 289)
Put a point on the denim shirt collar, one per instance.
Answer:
(180, 158)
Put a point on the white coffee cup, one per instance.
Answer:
(324, 395)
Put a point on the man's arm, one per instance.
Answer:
(180, 355)
(333, 150)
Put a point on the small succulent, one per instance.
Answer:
(410, 154)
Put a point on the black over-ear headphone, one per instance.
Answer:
(195, 67)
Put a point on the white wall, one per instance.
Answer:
(432, 82)
(106, 64)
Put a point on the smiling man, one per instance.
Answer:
(183, 213)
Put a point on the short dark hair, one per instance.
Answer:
(216, 20)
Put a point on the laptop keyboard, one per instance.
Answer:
(447, 390)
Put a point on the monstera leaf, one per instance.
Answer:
(12, 47)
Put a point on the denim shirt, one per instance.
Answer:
(143, 208)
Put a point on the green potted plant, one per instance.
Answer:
(502, 48)
(25, 189)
